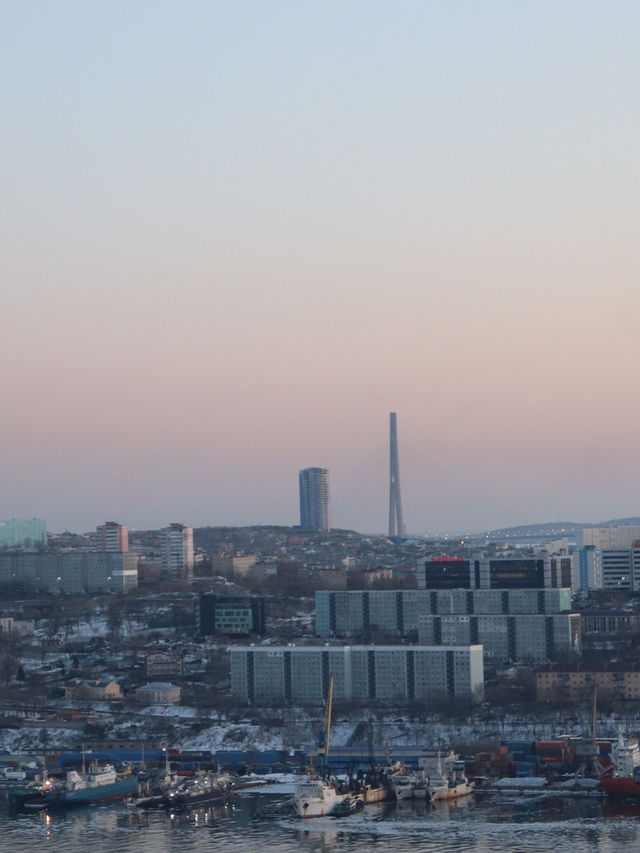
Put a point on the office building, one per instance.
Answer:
(114, 537)
(620, 536)
(480, 572)
(351, 613)
(608, 568)
(314, 498)
(522, 638)
(21, 533)
(398, 674)
(177, 551)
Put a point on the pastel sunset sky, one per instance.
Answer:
(236, 235)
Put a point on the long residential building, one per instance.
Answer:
(342, 613)
(399, 674)
(70, 572)
(525, 638)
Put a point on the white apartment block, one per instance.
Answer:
(399, 674)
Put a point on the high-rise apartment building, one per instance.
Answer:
(177, 551)
(21, 533)
(114, 537)
(314, 498)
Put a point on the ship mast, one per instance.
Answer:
(326, 729)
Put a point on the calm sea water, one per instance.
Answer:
(481, 823)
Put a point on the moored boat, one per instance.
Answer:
(319, 797)
(216, 788)
(625, 781)
(447, 780)
(100, 784)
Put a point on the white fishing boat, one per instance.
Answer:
(447, 780)
(319, 797)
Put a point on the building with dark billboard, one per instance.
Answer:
(230, 615)
(447, 573)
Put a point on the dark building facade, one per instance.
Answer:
(540, 572)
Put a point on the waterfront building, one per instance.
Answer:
(23, 533)
(350, 613)
(177, 551)
(375, 673)
(522, 638)
(314, 498)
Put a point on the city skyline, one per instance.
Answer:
(237, 237)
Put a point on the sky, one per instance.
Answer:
(235, 236)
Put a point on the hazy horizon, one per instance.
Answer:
(236, 236)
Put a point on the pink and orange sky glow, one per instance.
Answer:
(235, 236)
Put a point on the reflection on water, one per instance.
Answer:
(482, 823)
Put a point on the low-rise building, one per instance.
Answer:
(160, 664)
(93, 690)
(11, 625)
(561, 683)
(158, 693)
(609, 623)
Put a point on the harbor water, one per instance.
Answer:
(483, 822)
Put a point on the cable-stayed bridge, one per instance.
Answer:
(434, 500)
